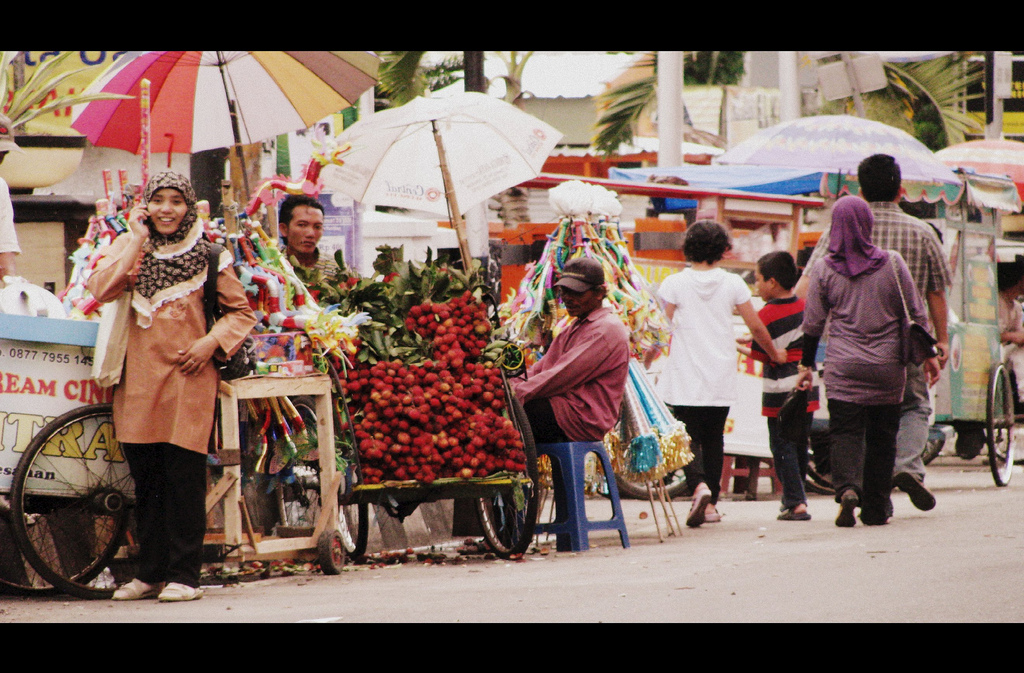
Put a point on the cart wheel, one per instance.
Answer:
(508, 529)
(70, 501)
(675, 486)
(303, 500)
(330, 552)
(999, 418)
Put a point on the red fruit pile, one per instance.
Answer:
(441, 418)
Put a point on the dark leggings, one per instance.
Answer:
(706, 427)
(170, 511)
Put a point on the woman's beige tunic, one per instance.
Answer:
(155, 402)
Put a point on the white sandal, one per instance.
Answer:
(137, 590)
(175, 592)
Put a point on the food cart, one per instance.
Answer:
(974, 396)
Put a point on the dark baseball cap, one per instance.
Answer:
(581, 274)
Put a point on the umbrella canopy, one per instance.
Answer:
(994, 157)
(490, 146)
(192, 93)
(837, 144)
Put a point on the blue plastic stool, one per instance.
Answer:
(571, 526)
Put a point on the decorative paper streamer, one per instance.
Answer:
(532, 314)
(144, 104)
(649, 443)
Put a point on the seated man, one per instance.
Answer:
(301, 224)
(574, 392)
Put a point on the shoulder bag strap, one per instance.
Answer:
(895, 272)
(210, 286)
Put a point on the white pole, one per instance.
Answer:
(789, 86)
(670, 108)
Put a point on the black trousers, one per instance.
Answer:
(170, 511)
(542, 422)
(863, 451)
(706, 427)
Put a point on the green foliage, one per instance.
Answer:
(387, 297)
(713, 67)
(19, 103)
(403, 76)
(622, 106)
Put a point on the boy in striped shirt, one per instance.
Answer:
(783, 315)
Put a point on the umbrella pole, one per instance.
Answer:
(460, 224)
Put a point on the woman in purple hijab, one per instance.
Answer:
(855, 289)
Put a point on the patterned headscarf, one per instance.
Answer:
(850, 250)
(175, 264)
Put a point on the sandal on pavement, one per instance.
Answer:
(847, 503)
(137, 590)
(701, 499)
(175, 592)
(790, 515)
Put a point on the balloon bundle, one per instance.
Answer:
(650, 442)
(589, 228)
(270, 191)
(104, 226)
(279, 298)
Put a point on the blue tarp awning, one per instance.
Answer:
(788, 181)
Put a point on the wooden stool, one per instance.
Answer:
(745, 472)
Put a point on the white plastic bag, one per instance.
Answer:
(112, 341)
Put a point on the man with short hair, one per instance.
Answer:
(301, 224)
(574, 392)
(8, 236)
(881, 186)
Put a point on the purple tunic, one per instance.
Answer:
(863, 355)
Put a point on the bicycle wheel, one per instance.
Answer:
(508, 529)
(70, 500)
(999, 417)
(302, 498)
(17, 576)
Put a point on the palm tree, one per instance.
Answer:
(924, 98)
(623, 106)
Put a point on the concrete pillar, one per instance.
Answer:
(670, 108)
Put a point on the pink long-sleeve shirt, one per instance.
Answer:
(583, 374)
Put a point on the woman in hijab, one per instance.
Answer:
(164, 403)
(854, 287)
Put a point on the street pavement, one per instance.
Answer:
(961, 562)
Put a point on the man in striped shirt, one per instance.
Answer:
(881, 186)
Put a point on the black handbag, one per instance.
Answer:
(918, 343)
(793, 417)
(243, 362)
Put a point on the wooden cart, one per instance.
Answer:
(324, 542)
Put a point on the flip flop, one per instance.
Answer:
(700, 503)
(790, 515)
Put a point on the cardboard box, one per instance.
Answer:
(284, 347)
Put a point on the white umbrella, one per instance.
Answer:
(441, 155)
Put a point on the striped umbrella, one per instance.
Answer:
(992, 157)
(202, 100)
